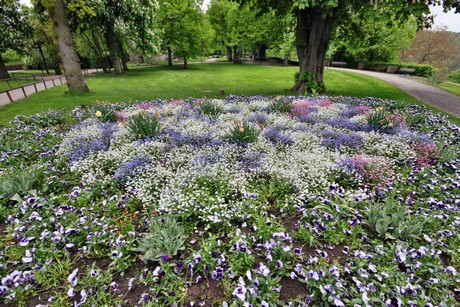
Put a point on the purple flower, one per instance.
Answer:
(280, 264)
(218, 273)
(263, 269)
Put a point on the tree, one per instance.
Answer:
(13, 30)
(219, 13)
(70, 59)
(186, 30)
(113, 15)
(437, 47)
(317, 19)
(376, 40)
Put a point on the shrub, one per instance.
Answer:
(391, 221)
(143, 125)
(105, 113)
(164, 239)
(210, 109)
(455, 76)
(281, 105)
(243, 133)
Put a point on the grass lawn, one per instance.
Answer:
(451, 87)
(198, 81)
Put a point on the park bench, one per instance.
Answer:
(378, 68)
(405, 70)
(392, 69)
(338, 64)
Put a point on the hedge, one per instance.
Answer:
(420, 69)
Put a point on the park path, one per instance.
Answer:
(431, 95)
(44, 83)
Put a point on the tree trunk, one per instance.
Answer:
(170, 57)
(70, 60)
(185, 62)
(124, 63)
(262, 52)
(229, 54)
(97, 46)
(286, 61)
(45, 66)
(113, 47)
(3, 71)
(237, 55)
(314, 28)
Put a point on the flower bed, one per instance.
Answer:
(248, 200)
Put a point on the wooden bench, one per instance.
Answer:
(339, 64)
(392, 69)
(378, 68)
(405, 70)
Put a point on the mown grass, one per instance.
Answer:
(165, 82)
(451, 87)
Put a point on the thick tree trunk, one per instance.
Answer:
(45, 66)
(314, 28)
(70, 60)
(3, 71)
(229, 54)
(170, 57)
(262, 52)
(113, 47)
(237, 55)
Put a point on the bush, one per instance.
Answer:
(143, 125)
(455, 76)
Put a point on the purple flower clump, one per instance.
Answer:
(274, 135)
(334, 139)
(127, 169)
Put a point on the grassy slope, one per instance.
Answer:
(451, 87)
(198, 81)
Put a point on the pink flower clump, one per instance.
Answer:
(325, 103)
(362, 109)
(144, 105)
(177, 102)
(372, 171)
(301, 108)
(426, 154)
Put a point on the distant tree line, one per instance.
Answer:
(68, 34)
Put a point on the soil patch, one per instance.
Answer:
(210, 292)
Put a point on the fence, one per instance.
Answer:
(20, 92)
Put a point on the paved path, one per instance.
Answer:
(434, 96)
(42, 83)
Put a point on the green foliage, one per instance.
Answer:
(455, 76)
(105, 113)
(210, 109)
(280, 105)
(243, 133)
(311, 85)
(54, 275)
(391, 220)
(20, 182)
(191, 37)
(143, 125)
(165, 238)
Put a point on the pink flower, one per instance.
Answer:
(144, 105)
(325, 103)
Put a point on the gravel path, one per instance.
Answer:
(434, 96)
